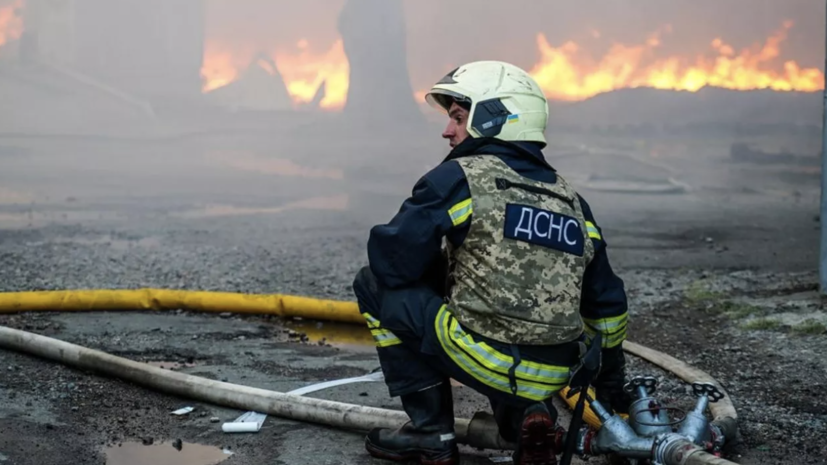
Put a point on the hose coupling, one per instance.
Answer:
(671, 448)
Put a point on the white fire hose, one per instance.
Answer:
(480, 431)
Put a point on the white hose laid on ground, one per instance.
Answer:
(481, 431)
(690, 454)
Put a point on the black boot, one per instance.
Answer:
(428, 438)
(538, 437)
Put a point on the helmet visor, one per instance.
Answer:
(441, 99)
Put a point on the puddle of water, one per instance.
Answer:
(277, 166)
(135, 453)
(352, 338)
(347, 337)
(334, 203)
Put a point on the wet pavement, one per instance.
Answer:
(114, 218)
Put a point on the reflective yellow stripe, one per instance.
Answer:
(606, 324)
(609, 340)
(460, 212)
(613, 329)
(382, 337)
(594, 233)
(372, 322)
(500, 363)
(535, 381)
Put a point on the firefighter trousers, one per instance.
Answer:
(420, 344)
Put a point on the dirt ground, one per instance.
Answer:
(723, 276)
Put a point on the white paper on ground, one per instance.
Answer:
(183, 411)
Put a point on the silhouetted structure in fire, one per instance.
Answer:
(373, 32)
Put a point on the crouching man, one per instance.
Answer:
(522, 282)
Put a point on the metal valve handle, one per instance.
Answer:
(650, 383)
(707, 389)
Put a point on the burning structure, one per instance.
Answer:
(376, 50)
(354, 56)
(260, 88)
(364, 72)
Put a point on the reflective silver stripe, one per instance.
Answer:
(372, 322)
(609, 340)
(460, 212)
(385, 338)
(382, 337)
(594, 233)
(545, 376)
(382, 334)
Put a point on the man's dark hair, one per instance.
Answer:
(463, 103)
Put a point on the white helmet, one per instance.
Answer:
(503, 100)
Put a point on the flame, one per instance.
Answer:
(303, 70)
(220, 66)
(11, 25)
(565, 75)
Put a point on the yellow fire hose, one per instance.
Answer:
(163, 299)
(282, 306)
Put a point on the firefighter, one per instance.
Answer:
(495, 273)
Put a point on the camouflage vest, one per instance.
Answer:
(518, 274)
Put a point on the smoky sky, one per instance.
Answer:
(442, 34)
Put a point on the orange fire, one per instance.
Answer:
(220, 67)
(11, 25)
(302, 70)
(565, 75)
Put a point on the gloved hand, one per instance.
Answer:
(609, 382)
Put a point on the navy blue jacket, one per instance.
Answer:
(402, 251)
